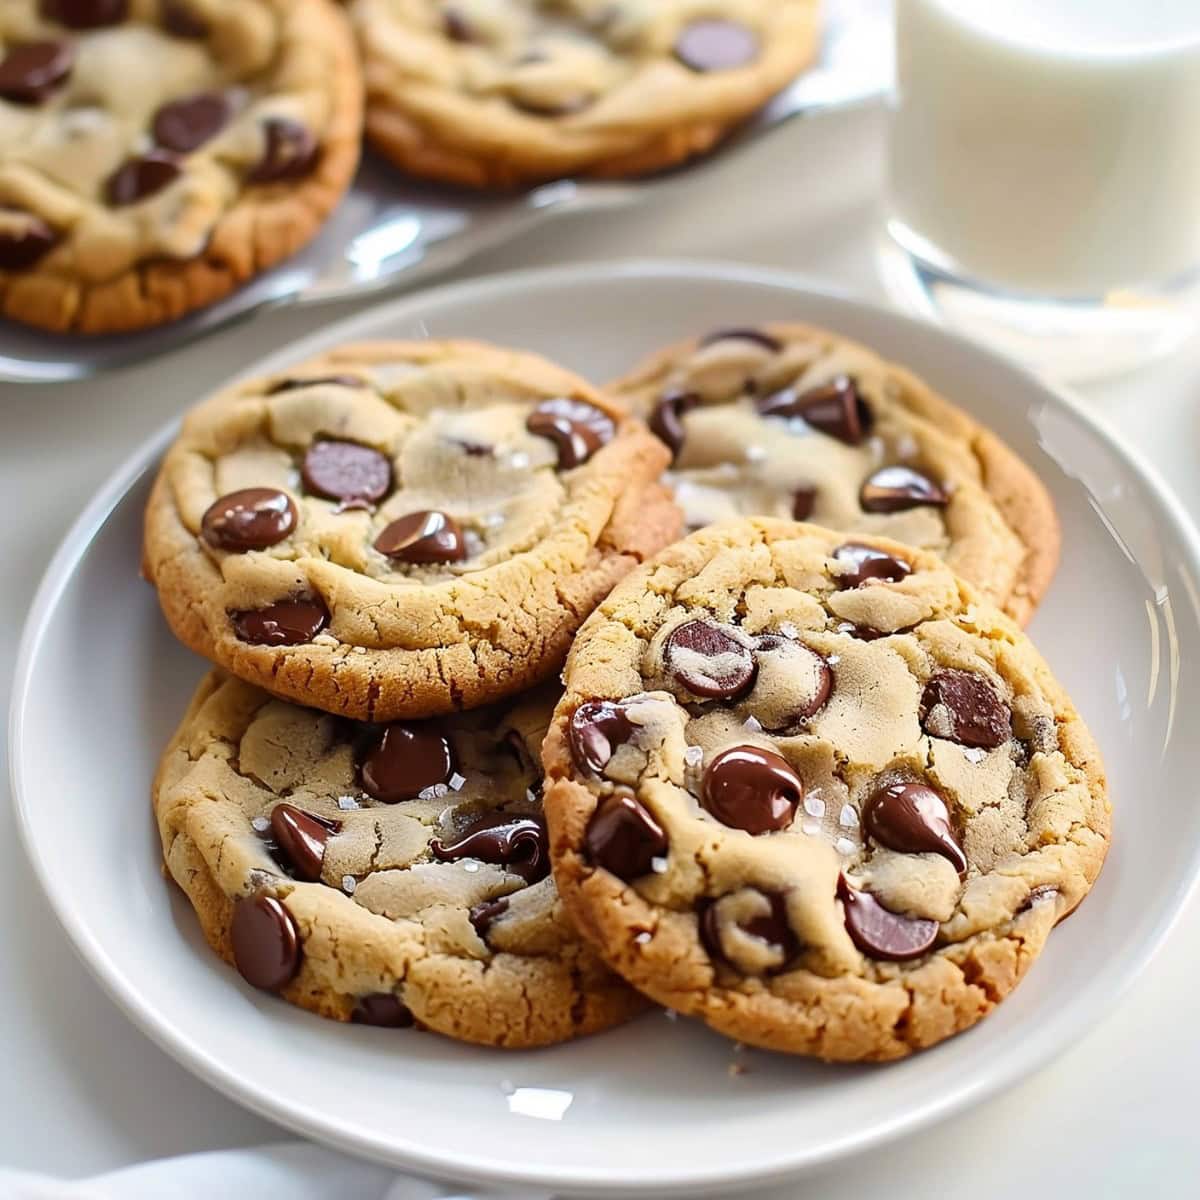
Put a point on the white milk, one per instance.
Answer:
(1050, 146)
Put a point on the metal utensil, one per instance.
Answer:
(390, 233)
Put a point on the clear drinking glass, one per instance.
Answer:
(1044, 165)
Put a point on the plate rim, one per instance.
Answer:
(1022, 1060)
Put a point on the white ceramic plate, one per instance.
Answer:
(654, 1107)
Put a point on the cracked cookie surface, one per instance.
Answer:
(154, 154)
(494, 93)
(401, 529)
(791, 421)
(817, 791)
(389, 875)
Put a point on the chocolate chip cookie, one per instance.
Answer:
(386, 874)
(401, 529)
(154, 154)
(794, 422)
(494, 93)
(812, 788)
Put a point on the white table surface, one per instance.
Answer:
(81, 1090)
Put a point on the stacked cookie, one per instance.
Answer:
(806, 781)
(495, 93)
(403, 539)
(155, 154)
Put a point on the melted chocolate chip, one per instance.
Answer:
(30, 71)
(266, 942)
(765, 340)
(250, 519)
(85, 14)
(288, 623)
(553, 108)
(381, 1009)
(835, 408)
(964, 708)
(623, 837)
(896, 489)
(517, 843)
(290, 152)
(185, 125)
(750, 788)
(457, 27)
(406, 761)
(139, 178)
(20, 249)
(291, 385)
(881, 933)
(597, 728)
(716, 45)
(577, 429)
(300, 839)
(913, 819)
(423, 537)
(482, 915)
(804, 500)
(708, 661)
(1041, 894)
(772, 927)
(868, 563)
(179, 20)
(666, 422)
(347, 472)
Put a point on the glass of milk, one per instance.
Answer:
(1045, 175)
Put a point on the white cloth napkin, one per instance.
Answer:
(291, 1170)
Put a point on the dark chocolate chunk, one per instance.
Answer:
(868, 563)
(250, 519)
(21, 248)
(750, 788)
(896, 489)
(181, 21)
(266, 942)
(914, 819)
(835, 408)
(288, 623)
(716, 45)
(423, 537)
(291, 151)
(576, 428)
(137, 179)
(597, 728)
(407, 760)
(347, 472)
(85, 14)
(30, 71)
(623, 837)
(881, 933)
(185, 125)
(964, 707)
(382, 1009)
(666, 422)
(708, 661)
(517, 843)
(804, 499)
(300, 838)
